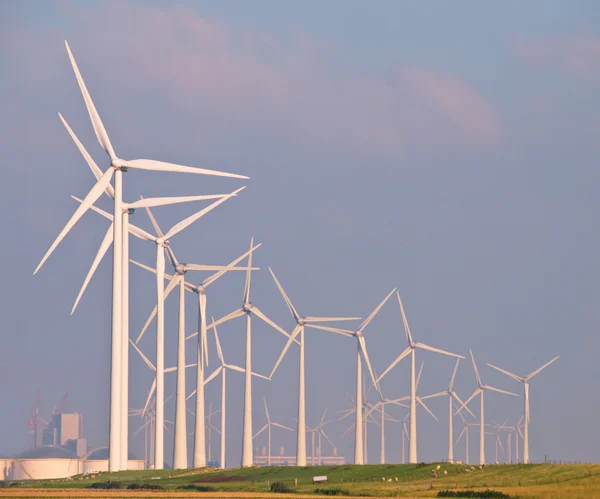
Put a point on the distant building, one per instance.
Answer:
(262, 459)
(66, 430)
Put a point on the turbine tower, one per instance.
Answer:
(451, 397)
(412, 346)
(116, 168)
(301, 322)
(248, 309)
(481, 388)
(361, 348)
(525, 382)
(268, 427)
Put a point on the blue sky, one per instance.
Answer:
(446, 149)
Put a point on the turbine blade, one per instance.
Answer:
(199, 267)
(330, 319)
(326, 438)
(213, 375)
(420, 401)
(475, 367)
(233, 315)
(464, 405)
(144, 358)
(157, 229)
(363, 348)
(377, 309)
(543, 367)
(281, 426)
(344, 332)
(461, 435)
(292, 337)
(404, 320)
(419, 375)
(219, 350)
(150, 393)
(261, 430)
(164, 201)
(170, 287)
(453, 375)
(285, 296)
(161, 166)
(256, 311)
(209, 280)
(191, 219)
(454, 395)
(136, 231)
(433, 395)
(104, 245)
(88, 201)
(89, 104)
(488, 387)
(393, 364)
(92, 164)
(266, 409)
(514, 376)
(438, 350)
(235, 368)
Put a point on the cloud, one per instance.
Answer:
(577, 55)
(296, 87)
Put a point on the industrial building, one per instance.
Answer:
(261, 458)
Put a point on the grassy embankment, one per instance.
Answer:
(532, 481)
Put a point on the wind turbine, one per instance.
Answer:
(318, 430)
(525, 382)
(248, 309)
(380, 406)
(301, 322)
(210, 428)
(178, 278)
(451, 397)
(222, 370)
(412, 346)
(116, 168)
(481, 388)
(361, 353)
(367, 417)
(268, 427)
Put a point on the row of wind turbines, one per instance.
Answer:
(117, 235)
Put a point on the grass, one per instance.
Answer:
(523, 481)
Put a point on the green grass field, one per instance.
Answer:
(523, 481)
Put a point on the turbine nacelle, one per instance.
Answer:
(180, 269)
(301, 321)
(200, 289)
(359, 333)
(247, 307)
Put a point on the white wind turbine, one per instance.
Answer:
(318, 430)
(268, 427)
(178, 278)
(480, 391)
(367, 417)
(412, 346)
(116, 168)
(162, 241)
(248, 309)
(525, 382)
(452, 395)
(128, 209)
(222, 370)
(361, 353)
(380, 406)
(301, 322)
(465, 432)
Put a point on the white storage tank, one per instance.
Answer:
(47, 461)
(97, 461)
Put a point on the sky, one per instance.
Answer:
(446, 149)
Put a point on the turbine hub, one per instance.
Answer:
(117, 163)
(247, 307)
(180, 269)
(358, 334)
(301, 321)
(200, 289)
(130, 211)
(412, 345)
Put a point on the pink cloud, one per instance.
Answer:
(577, 55)
(206, 68)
